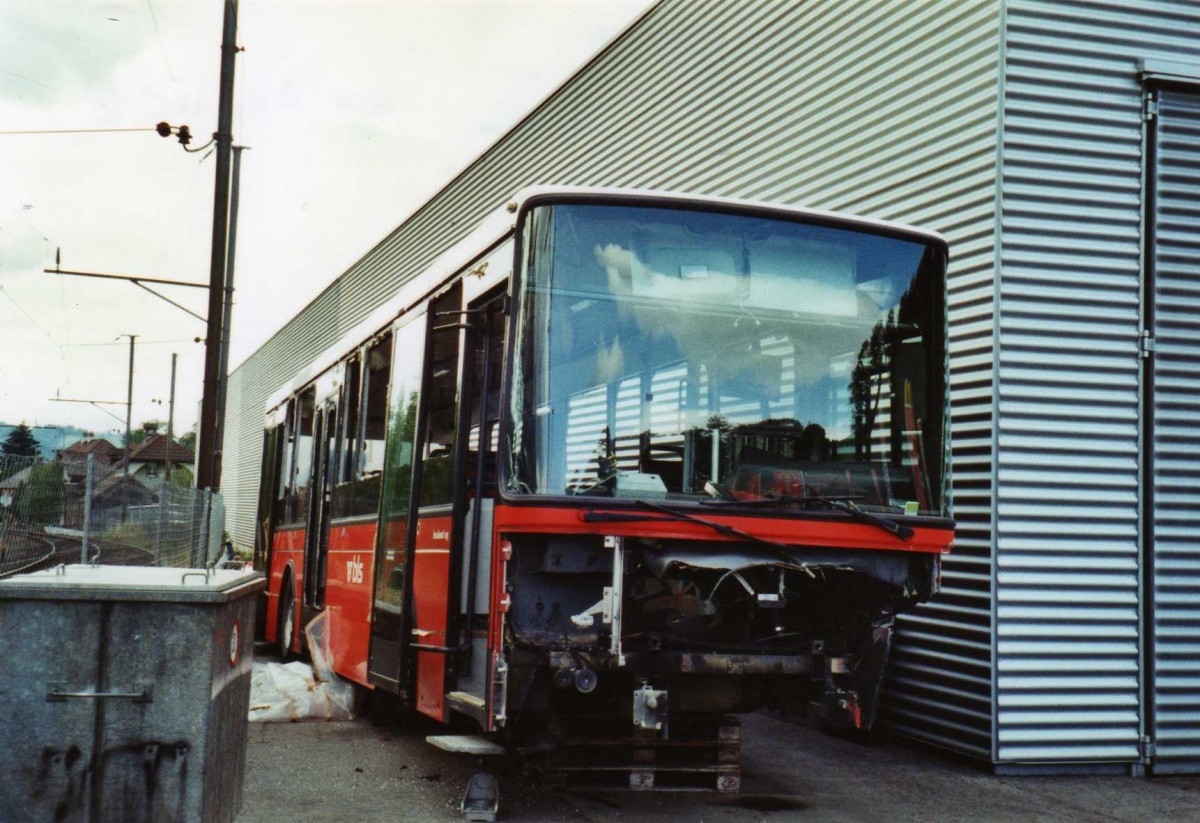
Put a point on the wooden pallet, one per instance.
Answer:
(701, 754)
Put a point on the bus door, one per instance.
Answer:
(321, 488)
(476, 488)
(274, 439)
(391, 587)
(441, 460)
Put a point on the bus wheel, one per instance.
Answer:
(286, 632)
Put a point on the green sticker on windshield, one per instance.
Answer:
(911, 507)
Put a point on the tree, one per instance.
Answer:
(136, 437)
(40, 500)
(21, 443)
(188, 440)
(181, 476)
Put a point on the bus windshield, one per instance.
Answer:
(685, 354)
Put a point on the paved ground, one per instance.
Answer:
(319, 772)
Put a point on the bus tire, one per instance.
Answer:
(286, 632)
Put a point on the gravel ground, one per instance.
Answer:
(355, 771)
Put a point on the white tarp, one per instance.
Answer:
(288, 692)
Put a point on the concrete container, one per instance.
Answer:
(124, 693)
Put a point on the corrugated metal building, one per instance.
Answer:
(1057, 146)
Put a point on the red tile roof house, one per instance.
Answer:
(74, 456)
(147, 461)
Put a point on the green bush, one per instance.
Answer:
(39, 501)
(130, 534)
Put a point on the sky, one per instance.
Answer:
(353, 114)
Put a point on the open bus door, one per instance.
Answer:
(317, 542)
(434, 548)
(476, 491)
(456, 487)
(274, 440)
(435, 534)
(390, 592)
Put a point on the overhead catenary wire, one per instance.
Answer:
(140, 343)
(31, 80)
(31, 319)
(161, 48)
(70, 131)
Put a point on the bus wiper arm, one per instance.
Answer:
(784, 549)
(842, 504)
(890, 526)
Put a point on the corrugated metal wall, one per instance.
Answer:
(1175, 686)
(889, 109)
(1067, 515)
(877, 107)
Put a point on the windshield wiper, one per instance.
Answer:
(784, 550)
(890, 526)
(841, 503)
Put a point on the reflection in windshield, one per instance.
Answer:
(679, 354)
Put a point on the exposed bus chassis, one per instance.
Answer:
(645, 629)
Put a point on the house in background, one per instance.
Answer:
(74, 457)
(148, 461)
(10, 486)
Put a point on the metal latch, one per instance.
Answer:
(1147, 343)
(1146, 749)
(1151, 109)
(650, 708)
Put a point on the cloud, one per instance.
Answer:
(53, 48)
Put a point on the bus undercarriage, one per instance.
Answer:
(652, 628)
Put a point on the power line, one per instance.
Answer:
(35, 323)
(71, 131)
(161, 48)
(31, 80)
(142, 343)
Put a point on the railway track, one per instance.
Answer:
(29, 550)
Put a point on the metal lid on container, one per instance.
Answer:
(136, 583)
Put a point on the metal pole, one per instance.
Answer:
(219, 446)
(206, 459)
(164, 483)
(171, 417)
(87, 506)
(162, 514)
(201, 550)
(129, 401)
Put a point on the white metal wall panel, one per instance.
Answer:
(1067, 513)
(294, 345)
(878, 107)
(1175, 683)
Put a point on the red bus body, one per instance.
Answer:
(404, 494)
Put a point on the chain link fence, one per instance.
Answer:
(81, 510)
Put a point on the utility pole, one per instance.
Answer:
(129, 401)
(227, 314)
(208, 457)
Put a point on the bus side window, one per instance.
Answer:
(357, 493)
(283, 496)
(303, 463)
(379, 367)
(351, 422)
(345, 474)
(441, 392)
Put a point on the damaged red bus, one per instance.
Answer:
(632, 456)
